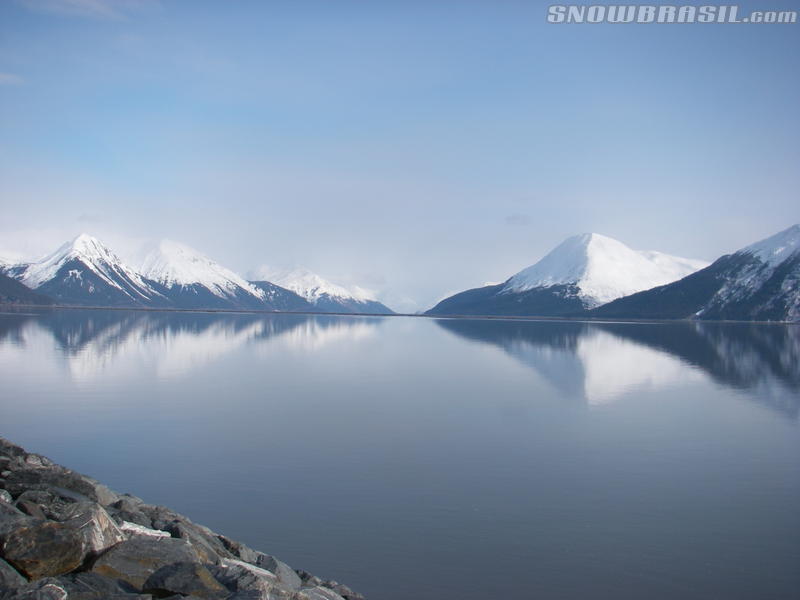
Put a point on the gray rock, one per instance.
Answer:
(32, 477)
(344, 591)
(10, 578)
(205, 542)
(45, 589)
(9, 512)
(239, 550)
(133, 561)
(98, 530)
(317, 593)
(282, 571)
(308, 579)
(37, 460)
(127, 509)
(239, 576)
(43, 549)
(134, 530)
(10, 519)
(186, 579)
(6, 497)
(52, 501)
(10, 450)
(31, 509)
(91, 586)
(160, 516)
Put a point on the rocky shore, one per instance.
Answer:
(66, 536)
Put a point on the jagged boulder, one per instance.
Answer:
(207, 544)
(317, 593)
(239, 576)
(188, 579)
(285, 574)
(34, 477)
(127, 509)
(51, 501)
(98, 530)
(44, 589)
(136, 559)
(91, 586)
(43, 549)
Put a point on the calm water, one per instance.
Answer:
(439, 459)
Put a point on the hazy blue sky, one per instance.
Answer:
(418, 147)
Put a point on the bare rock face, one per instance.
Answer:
(44, 589)
(44, 549)
(282, 571)
(187, 579)
(135, 560)
(98, 530)
(10, 578)
(32, 477)
(240, 577)
(318, 593)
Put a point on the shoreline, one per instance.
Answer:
(562, 319)
(64, 535)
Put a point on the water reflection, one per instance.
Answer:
(171, 344)
(598, 362)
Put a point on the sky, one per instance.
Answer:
(417, 148)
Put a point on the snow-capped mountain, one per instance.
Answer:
(191, 280)
(759, 282)
(582, 272)
(322, 294)
(85, 272)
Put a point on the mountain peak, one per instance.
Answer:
(172, 263)
(602, 268)
(86, 248)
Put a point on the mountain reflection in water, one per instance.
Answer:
(617, 357)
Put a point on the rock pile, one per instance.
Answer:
(65, 536)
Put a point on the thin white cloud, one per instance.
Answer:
(10, 79)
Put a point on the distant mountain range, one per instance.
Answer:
(85, 272)
(586, 276)
(591, 275)
(320, 293)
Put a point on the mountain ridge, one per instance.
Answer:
(85, 272)
(760, 282)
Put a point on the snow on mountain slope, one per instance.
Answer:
(85, 271)
(310, 285)
(172, 264)
(776, 248)
(760, 282)
(602, 268)
(325, 295)
(96, 256)
(766, 279)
